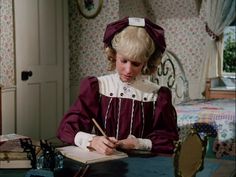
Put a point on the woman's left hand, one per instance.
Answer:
(129, 143)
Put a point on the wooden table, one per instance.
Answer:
(136, 167)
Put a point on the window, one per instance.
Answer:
(229, 53)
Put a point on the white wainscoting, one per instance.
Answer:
(8, 110)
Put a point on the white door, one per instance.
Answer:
(39, 39)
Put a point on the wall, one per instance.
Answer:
(184, 31)
(7, 62)
(7, 66)
(86, 47)
(185, 36)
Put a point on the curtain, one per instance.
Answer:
(219, 14)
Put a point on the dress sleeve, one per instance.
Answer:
(165, 130)
(78, 118)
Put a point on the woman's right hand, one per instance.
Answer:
(103, 144)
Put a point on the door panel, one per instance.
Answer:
(48, 32)
(39, 48)
(28, 117)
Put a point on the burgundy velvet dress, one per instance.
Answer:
(140, 108)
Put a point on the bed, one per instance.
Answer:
(212, 117)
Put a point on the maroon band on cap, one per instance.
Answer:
(155, 32)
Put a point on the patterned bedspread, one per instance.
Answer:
(219, 114)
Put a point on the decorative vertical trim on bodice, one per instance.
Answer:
(108, 108)
(154, 107)
(118, 121)
(132, 118)
(143, 119)
(141, 90)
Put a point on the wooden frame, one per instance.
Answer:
(211, 92)
(189, 155)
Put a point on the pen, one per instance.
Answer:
(99, 128)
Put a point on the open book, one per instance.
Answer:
(88, 157)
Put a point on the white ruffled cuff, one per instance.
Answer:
(144, 144)
(83, 139)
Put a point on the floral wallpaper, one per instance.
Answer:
(7, 62)
(185, 35)
(86, 35)
(184, 31)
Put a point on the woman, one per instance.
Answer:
(133, 112)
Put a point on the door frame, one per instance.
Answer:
(66, 57)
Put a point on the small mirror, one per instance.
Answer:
(189, 155)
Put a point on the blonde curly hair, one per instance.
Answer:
(135, 44)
